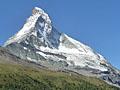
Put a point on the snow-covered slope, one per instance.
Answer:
(40, 42)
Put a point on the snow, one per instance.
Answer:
(26, 42)
(25, 30)
(25, 48)
(68, 50)
(99, 68)
(41, 24)
(41, 54)
(31, 59)
(39, 9)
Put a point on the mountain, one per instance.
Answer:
(39, 42)
(18, 74)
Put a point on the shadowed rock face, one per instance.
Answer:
(38, 41)
(6, 57)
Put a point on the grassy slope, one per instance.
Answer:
(17, 77)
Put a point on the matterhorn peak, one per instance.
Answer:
(37, 10)
(40, 12)
(38, 19)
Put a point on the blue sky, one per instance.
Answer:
(93, 22)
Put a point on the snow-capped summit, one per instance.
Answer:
(38, 41)
(37, 10)
(30, 24)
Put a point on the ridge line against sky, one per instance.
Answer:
(93, 22)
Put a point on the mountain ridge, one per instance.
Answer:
(51, 40)
(38, 41)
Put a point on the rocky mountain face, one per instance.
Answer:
(19, 74)
(38, 41)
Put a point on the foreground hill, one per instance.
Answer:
(29, 76)
(17, 77)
